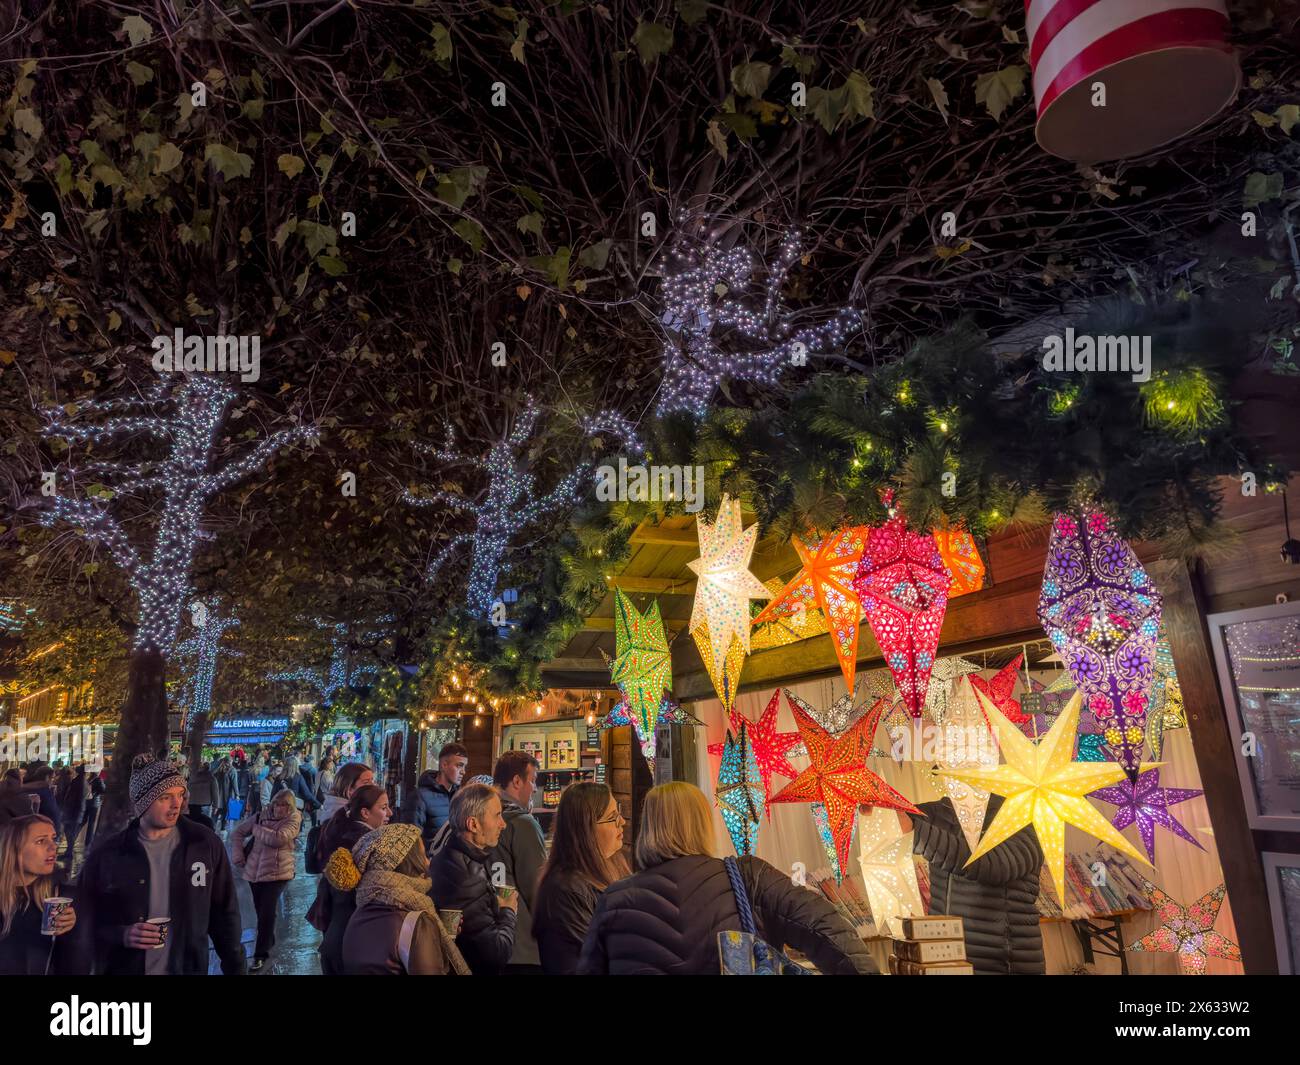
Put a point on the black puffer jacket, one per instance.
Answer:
(565, 905)
(665, 921)
(334, 907)
(462, 881)
(994, 896)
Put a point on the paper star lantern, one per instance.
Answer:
(838, 777)
(966, 743)
(1187, 931)
(771, 748)
(897, 723)
(725, 674)
(998, 690)
(903, 587)
(835, 719)
(724, 584)
(643, 666)
(1102, 613)
(1147, 803)
(945, 672)
(1045, 789)
(739, 791)
(888, 871)
(785, 629)
(670, 712)
(879, 684)
(825, 581)
(1092, 747)
(821, 819)
(1166, 707)
(961, 558)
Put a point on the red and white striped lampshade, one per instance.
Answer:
(1166, 66)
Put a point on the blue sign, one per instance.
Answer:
(247, 730)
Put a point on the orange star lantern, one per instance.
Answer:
(825, 582)
(838, 777)
(962, 558)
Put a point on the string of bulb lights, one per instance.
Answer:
(706, 296)
(185, 414)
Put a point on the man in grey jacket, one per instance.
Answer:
(521, 850)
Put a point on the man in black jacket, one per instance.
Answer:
(429, 803)
(521, 850)
(464, 880)
(161, 865)
(994, 895)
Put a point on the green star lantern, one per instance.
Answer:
(642, 667)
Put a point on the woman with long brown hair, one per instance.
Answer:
(28, 852)
(585, 859)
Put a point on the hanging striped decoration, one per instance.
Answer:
(1166, 67)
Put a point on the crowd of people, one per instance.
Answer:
(460, 882)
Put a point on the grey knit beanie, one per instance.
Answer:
(149, 779)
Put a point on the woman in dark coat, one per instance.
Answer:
(336, 893)
(585, 859)
(28, 850)
(666, 918)
(994, 896)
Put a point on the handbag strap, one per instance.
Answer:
(742, 896)
(404, 939)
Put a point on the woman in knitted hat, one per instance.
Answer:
(395, 930)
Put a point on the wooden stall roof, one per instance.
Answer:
(1003, 613)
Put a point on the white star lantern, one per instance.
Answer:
(888, 870)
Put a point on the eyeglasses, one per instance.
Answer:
(615, 820)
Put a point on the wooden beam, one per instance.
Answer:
(607, 624)
(655, 585)
(1243, 872)
(650, 534)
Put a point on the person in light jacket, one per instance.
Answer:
(268, 865)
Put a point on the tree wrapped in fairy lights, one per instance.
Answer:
(340, 673)
(167, 472)
(205, 648)
(717, 329)
(508, 505)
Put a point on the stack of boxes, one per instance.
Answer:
(931, 946)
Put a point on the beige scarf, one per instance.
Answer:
(401, 892)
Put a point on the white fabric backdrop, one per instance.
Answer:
(791, 836)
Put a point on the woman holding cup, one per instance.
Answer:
(34, 917)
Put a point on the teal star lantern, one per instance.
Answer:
(739, 792)
(642, 667)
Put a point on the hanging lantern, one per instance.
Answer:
(1117, 78)
(962, 559)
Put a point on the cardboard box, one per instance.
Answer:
(937, 927)
(930, 950)
(901, 967)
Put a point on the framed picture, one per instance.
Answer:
(562, 750)
(1282, 874)
(1257, 654)
(533, 743)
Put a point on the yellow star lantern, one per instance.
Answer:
(1045, 789)
(725, 674)
(723, 591)
(785, 629)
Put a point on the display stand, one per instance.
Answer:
(1100, 934)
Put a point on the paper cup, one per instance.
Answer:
(50, 909)
(162, 924)
(451, 921)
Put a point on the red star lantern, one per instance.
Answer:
(838, 777)
(825, 582)
(962, 558)
(903, 587)
(998, 690)
(771, 748)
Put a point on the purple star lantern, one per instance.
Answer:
(1102, 614)
(1147, 803)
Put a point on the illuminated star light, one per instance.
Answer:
(1147, 803)
(825, 580)
(1045, 789)
(1187, 931)
(184, 420)
(643, 667)
(966, 743)
(771, 748)
(838, 778)
(999, 690)
(888, 871)
(739, 791)
(725, 586)
(707, 309)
